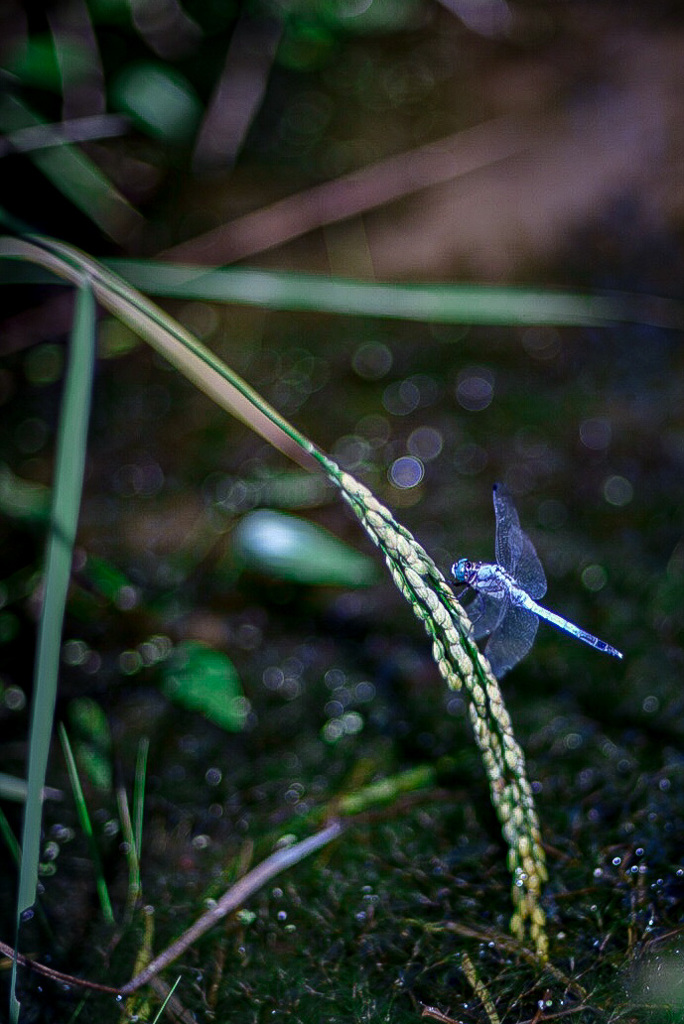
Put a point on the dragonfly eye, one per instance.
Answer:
(460, 569)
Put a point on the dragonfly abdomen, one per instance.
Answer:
(570, 627)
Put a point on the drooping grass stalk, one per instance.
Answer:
(174, 342)
(86, 825)
(66, 500)
(413, 571)
(465, 668)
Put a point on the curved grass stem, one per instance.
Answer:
(415, 574)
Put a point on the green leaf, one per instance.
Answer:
(74, 174)
(66, 500)
(23, 499)
(12, 788)
(35, 63)
(160, 100)
(204, 680)
(92, 741)
(293, 549)
(433, 303)
(106, 578)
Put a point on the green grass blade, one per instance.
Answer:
(69, 464)
(436, 303)
(169, 996)
(74, 175)
(139, 794)
(431, 303)
(14, 848)
(84, 818)
(134, 886)
(9, 838)
(132, 829)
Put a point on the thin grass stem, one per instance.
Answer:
(86, 825)
(235, 897)
(139, 793)
(128, 833)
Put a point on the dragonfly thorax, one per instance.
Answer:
(488, 578)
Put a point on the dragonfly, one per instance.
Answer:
(505, 608)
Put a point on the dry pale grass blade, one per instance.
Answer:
(355, 193)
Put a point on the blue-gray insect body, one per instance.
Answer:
(505, 608)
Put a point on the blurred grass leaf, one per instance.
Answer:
(23, 499)
(431, 303)
(86, 824)
(438, 303)
(35, 62)
(160, 100)
(204, 680)
(74, 174)
(92, 741)
(12, 788)
(288, 548)
(106, 579)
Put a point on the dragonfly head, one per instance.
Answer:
(461, 570)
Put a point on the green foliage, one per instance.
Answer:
(374, 928)
(203, 680)
(22, 499)
(442, 303)
(106, 578)
(36, 63)
(288, 548)
(92, 742)
(71, 172)
(86, 825)
(66, 498)
(160, 100)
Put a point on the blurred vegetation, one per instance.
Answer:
(500, 143)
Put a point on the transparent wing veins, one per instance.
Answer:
(514, 549)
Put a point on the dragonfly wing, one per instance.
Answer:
(529, 572)
(514, 549)
(485, 614)
(511, 640)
